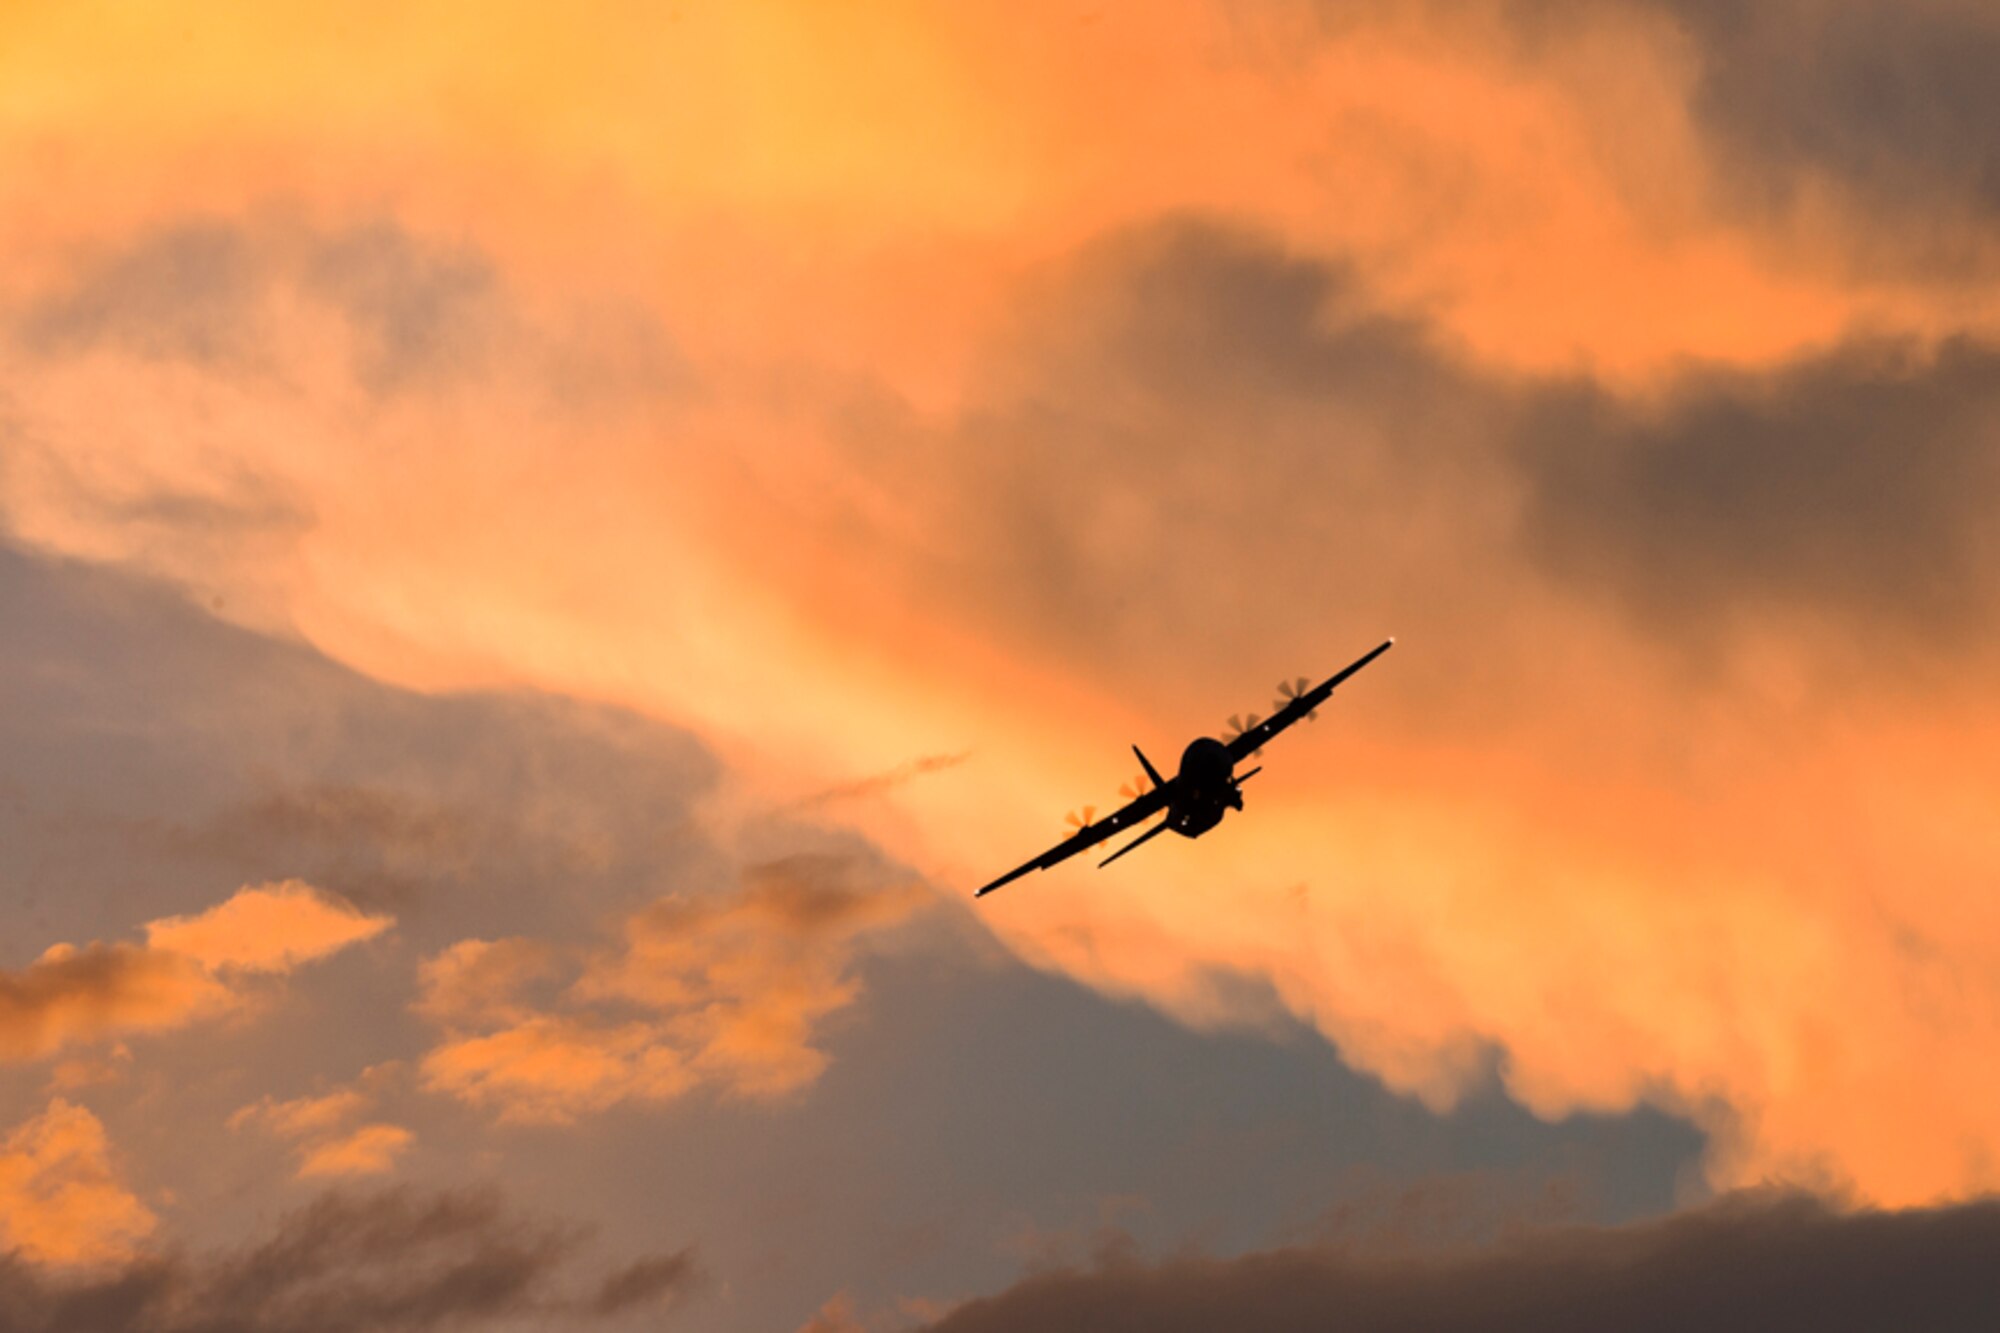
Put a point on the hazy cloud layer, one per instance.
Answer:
(1744, 1263)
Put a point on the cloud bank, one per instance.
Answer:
(1749, 1262)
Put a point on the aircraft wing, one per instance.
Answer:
(1141, 807)
(1241, 746)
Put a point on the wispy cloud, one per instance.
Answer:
(394, 1260)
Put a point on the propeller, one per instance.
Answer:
(1078, 822)
(1137, 787)
(1289, 690)
(1239, 725)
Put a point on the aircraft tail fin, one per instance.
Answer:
(1151, 772)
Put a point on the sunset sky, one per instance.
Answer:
(546, 549)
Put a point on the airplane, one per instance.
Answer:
(1207, 786)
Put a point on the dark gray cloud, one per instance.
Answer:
(1195, 437)
(394, 1260)
(1891, 101)
(1750, 1263)
(648, 1282)
(1202, 439)
(1857, 485)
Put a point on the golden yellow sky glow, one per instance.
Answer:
(821, 396)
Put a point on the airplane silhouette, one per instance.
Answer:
(1207, 785)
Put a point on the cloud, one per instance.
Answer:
(61, 1200)
(1751, 1262)
(877, 783)
(369, 1150)
(479, 982)
(1663, 642)
(648, 1282)
(205, 292)
(327, 1142)
(1258, 463)
(1886, 103)
(732, 989)
(554, 1068)
(272, 928)
(189, 968)
(1181, 460)
(1851, 486)
(393, 1260)
(72, 995)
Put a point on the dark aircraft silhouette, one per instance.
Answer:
(1207, 785)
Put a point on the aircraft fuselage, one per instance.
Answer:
(1206, 788)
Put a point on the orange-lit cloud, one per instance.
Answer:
(272, 928)
(368, 1150)
(186, 970)
(61, 1199)
(860, 189)
(915, 428)
(73, 995)
(553, 1068)
(327, 1140)
(732, 988)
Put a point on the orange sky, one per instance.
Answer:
(851, 385)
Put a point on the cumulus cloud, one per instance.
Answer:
(392, 1260)
(189, 968)
(1751, 1262)
(731, 990)
(61, 1198)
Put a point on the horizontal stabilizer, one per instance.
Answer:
(1152, 832)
